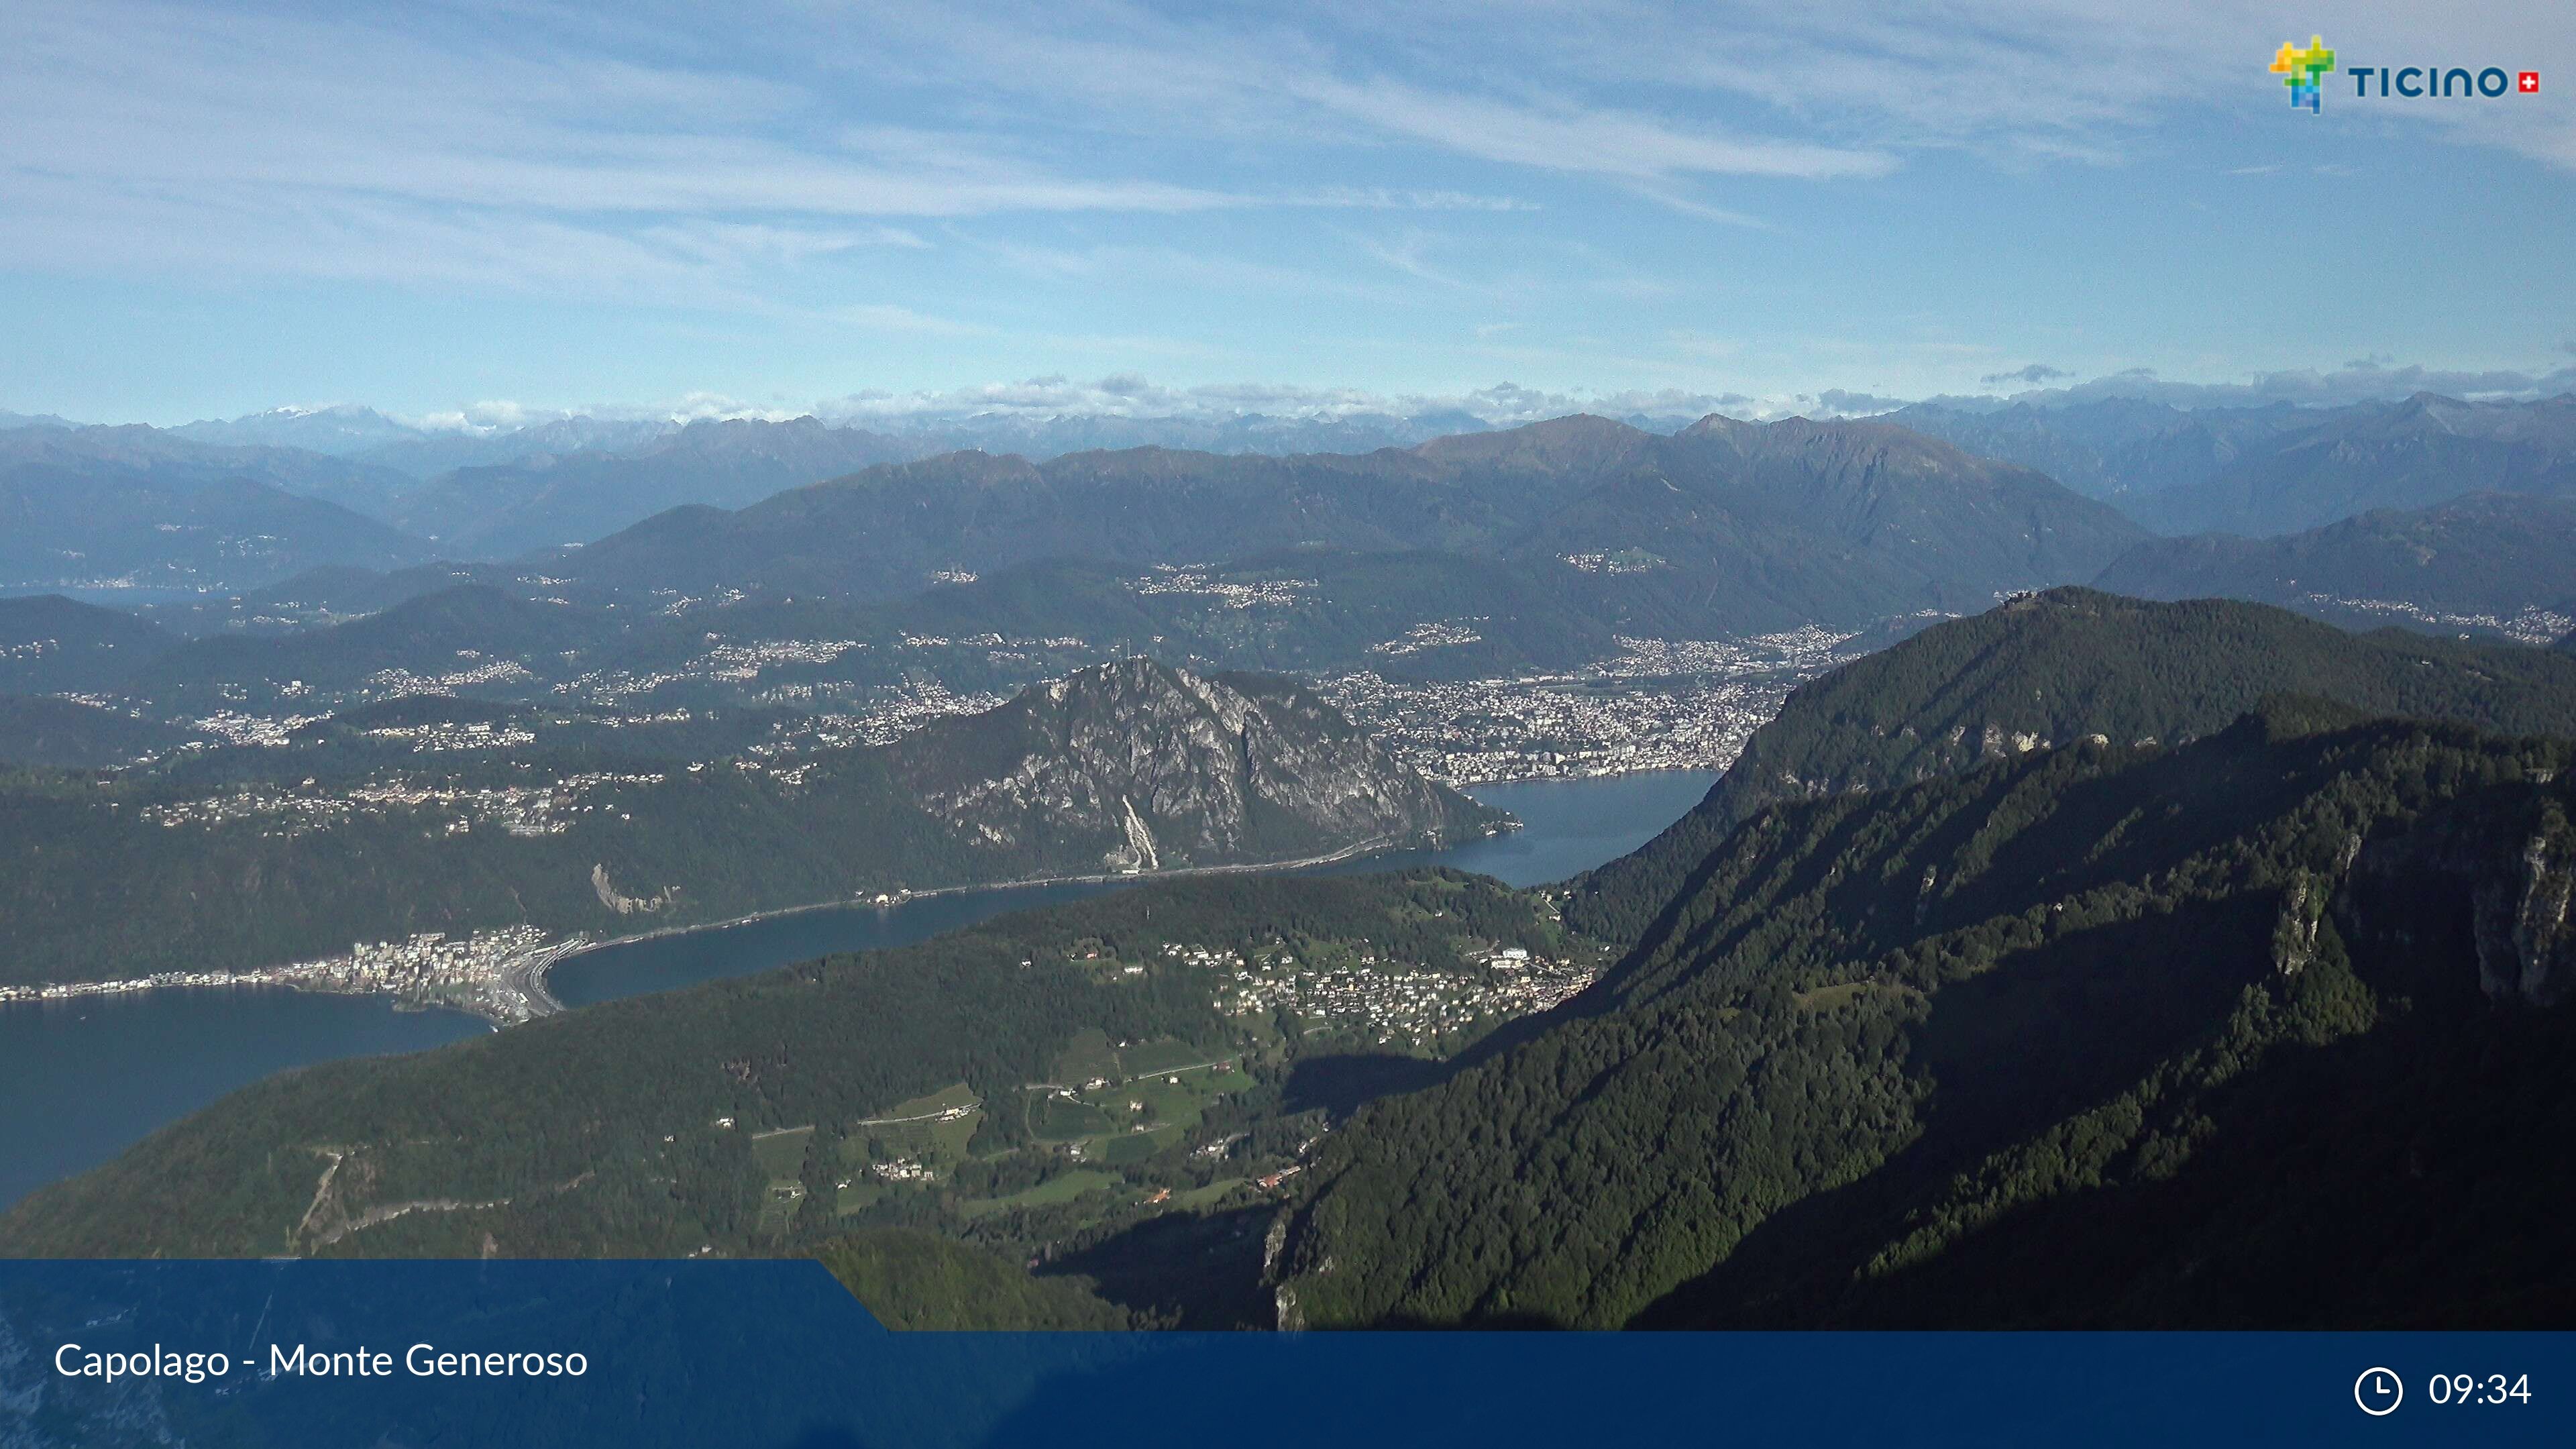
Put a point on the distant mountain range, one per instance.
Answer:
(2120, 449)
(2274, 470)
(134, 454)
(548, 500)
(351, 430)
(131, 506)
(2492, 563)
(1725, 525)
(2423, 451)
(1722, 528)
(364, 435)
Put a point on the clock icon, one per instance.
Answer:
(2378, 1391)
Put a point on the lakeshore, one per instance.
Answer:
(83, 1078)
(881, 901)
(500, 975)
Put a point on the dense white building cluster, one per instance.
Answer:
(1658, 704)
(883, 714)
(1199, 580)
(235, 728)
(391, 683)
(2534, 625)
(1439, 634)
(746, 661)
(1625, 561)
(1480, 731)
(1394, 1003)
(498, 975)
(446, 736)
(546, 809)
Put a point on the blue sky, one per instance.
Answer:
(865, 209)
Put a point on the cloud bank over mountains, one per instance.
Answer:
(1054, 412)
(1507, 404)
(2359, 381)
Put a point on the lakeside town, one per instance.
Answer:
(498, 975)
(1653, 705)
(1387, 1002)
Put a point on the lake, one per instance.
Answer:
(1567, 826)
(81, 1080)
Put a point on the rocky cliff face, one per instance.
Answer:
(1153, 768)
(2496, 874)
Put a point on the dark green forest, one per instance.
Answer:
(2057, 668)
(911, 1279)
(2101, 1035)
(736, 1117)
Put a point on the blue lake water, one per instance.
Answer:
(1568, 826)
(82, 1080)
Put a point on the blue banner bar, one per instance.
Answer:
(776, 1353)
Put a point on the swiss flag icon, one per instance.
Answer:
(2528, 83)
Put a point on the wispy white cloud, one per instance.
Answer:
(1132, 396)
(1561, 135)
(540, 131)
(886, 317)
(1128, 395)
(1449, 188)
(2362, 380)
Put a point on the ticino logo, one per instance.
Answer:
(2304, 68)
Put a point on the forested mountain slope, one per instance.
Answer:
(2117, 449)
(50, 644)
(912, 1279)
(2055, 669)
(139, 507)
(547, 500)
(2277, 469)
(2491, 564)
(1750, 526)
(2423, 451)
(2099, 1035)
(67, 734)
(1041, 1082)
(1132, 767)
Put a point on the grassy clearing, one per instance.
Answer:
(781, 1154)
(1152, 1058)
(1062, 1119)
(1125, 1149)
(1086, 1058)
(946, 1099)
(1054, 1190)
(1206, 1197)
(1174, 1106)
(937, 1127)
(1826, 998)
(778, 1207)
